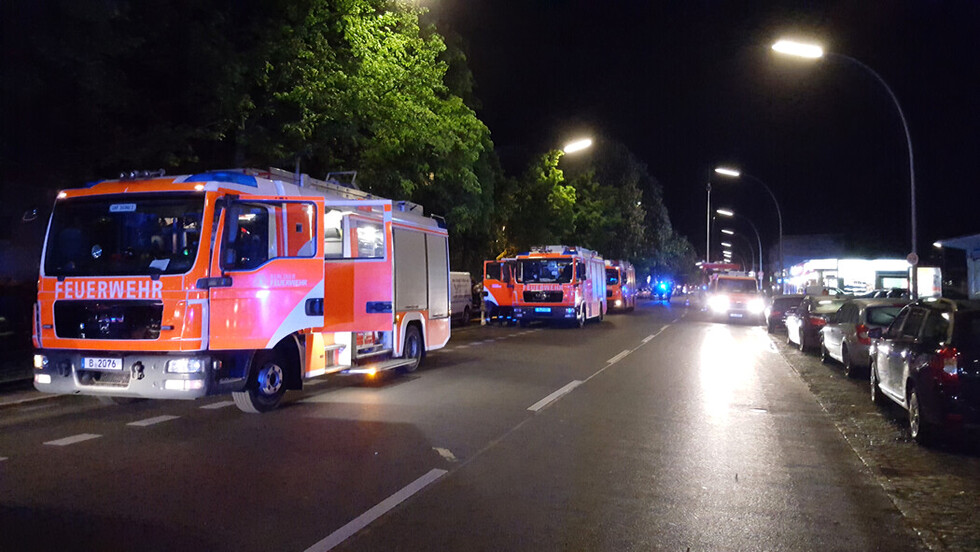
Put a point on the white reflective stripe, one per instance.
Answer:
(365, 519)
(153, 421)
(72, 440)
(554, 396)
(297, 319)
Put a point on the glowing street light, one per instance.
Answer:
(758, 238)
(726, 244)
(577, 145)
(725, 212)
(727, 231)
(727, 171)
(798, 49)
(779, 213)
(813, 51)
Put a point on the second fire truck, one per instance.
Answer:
(559, 283)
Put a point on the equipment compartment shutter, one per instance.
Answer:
(410, 288)
(438, 260)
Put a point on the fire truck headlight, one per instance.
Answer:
(40, 362)
(184, 365)
(619, 303)
(43, 379)
(757, 306)
(718, 303)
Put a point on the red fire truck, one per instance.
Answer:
(620, 285)
(558, 282)
(242, 281)
(498, 290)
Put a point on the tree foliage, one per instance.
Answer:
(91, 87)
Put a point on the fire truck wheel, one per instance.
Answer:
(265, 387)
(413, 348)
(581, 318)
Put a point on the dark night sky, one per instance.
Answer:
(690, 85)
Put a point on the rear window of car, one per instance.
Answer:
(881, 316)
(825, 306)
(786, 302)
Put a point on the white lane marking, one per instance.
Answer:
(445, 453)
(2, 458)
(153, 421)
(601, 370)
(72, 440)
(222, 404)
(619, 357)
(462, 346)
(648, 338)
(380, 509)
(554, 396)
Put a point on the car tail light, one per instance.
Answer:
(862, 334)
(946, 364)
(818, 321)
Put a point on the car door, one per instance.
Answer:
(832, 332)
(883, 351)
(898, 357)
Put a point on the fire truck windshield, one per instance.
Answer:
(545, 271)
(124, 235)
(612, 276)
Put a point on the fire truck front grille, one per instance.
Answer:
(108, 319)
(96, 378)
(608, 293)
(542, 296)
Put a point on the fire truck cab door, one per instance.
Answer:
(269, 256)
(358, 266)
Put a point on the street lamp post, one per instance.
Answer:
(733, 173)
(707, 231)
(813, 51)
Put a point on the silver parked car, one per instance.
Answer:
(845, 337)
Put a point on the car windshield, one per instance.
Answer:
(545, 271)
(612, 276)
(132, 235)
(881, 316)
(736, 285)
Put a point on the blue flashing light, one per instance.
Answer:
(224, 176)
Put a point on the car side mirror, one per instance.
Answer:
(874, 333)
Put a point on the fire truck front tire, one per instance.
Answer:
(413, 348)
(266, 385)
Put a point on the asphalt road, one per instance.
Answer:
(655, 430)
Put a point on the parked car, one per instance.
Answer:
(845, 337)
(462, 296)
(893, 293)
(775, 312)
(928, 362)
(804, 322)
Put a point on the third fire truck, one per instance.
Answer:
(620, 285)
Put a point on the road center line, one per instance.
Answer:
(619, 357)
(554, 396)
(72, 440)
(153, 421)
(648, 338)
(365, 519)
(222, 404)
(2, 458)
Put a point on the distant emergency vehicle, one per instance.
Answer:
(620, 285)
(498, 290)
(558, 282)
(241, 281)
(735, 295)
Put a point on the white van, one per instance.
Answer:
(461, 293)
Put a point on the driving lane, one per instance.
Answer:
(701, 439)
(161, 475)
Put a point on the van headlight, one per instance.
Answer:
(718, 303)
(757, 306)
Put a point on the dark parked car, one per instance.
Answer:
(928, 361)
(776, 310)
(804, 322)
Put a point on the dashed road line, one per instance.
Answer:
(446, 453)
(554, 396)
(2, 458)
(619, 357)
(222, 404)
(648, 338)
(64, 442)
(365, 519)
(153, 421)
